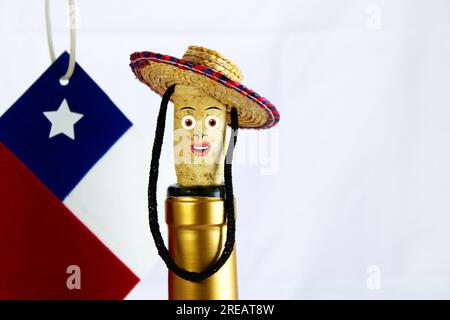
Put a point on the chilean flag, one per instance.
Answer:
(73, 177)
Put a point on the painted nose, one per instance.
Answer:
(196, 135)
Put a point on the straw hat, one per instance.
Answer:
(211, 72)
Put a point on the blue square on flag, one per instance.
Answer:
(60, 132)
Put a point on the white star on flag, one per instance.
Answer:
(63, 120)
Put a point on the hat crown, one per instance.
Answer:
(213, 60)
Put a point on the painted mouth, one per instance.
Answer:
(200, 149)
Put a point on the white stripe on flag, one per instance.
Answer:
(111, 200)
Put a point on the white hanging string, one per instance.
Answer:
(72, 27)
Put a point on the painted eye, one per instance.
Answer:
(188, 122)
(212, 122)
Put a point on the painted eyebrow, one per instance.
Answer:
(187, 108)
(213, 108)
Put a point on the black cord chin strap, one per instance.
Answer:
(228, 203)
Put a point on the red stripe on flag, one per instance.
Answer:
(40, 238)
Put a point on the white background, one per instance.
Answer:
(356, 200)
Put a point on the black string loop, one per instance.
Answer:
(228, 201)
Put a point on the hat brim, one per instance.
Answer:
(161, 71)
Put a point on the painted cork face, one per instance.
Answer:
(199, 137)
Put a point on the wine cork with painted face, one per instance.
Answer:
(207, 86)
(199, 137)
